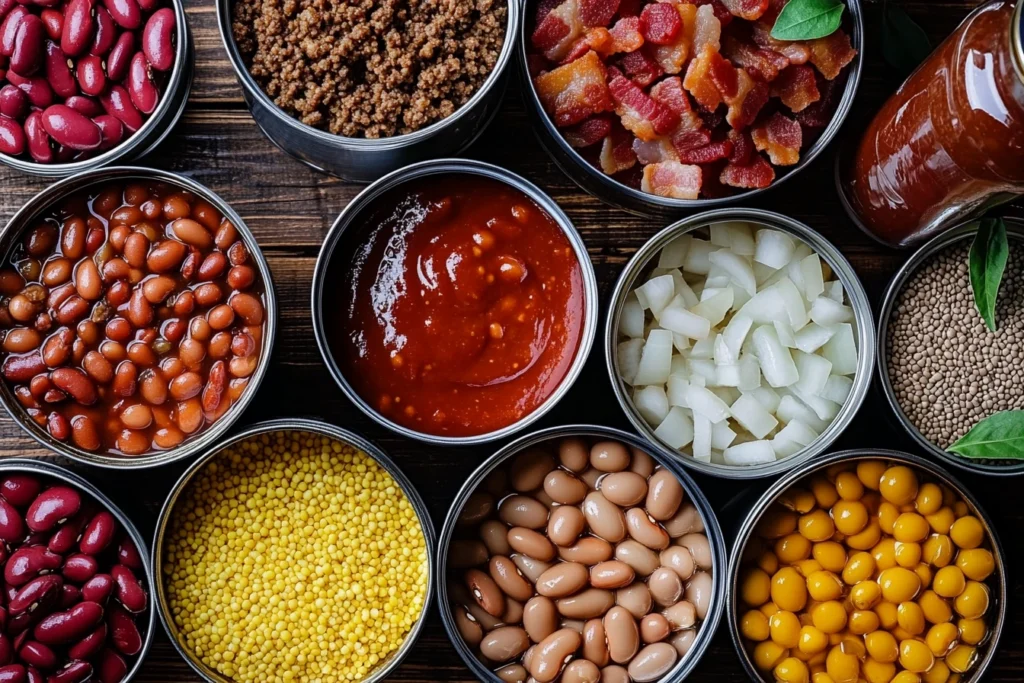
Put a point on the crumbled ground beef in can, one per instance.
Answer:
(370, 68)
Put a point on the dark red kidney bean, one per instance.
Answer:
(24, 367)
(35, 653)
(56, 504)
(73, 624)
(98, 588)
(27, 562)
(6, 650)
(58, 73)
(121, 56)
(3, 619)
(85, 105)
(124, 634)
(98, 534)
(90, 645)
(28, 46)
(38, 142)
(57, 347)
(53, 20)
(33, 676)
(106, 33)
(118, 104)
(111, 129)
(20, 489)
(84, 433)
(71, 129)
(12, 528)
(73, 309)
(158, 39)
(78, 27)
(69, 595)
(140, 87)
(112, 668)
(75, 672)
(56, 423)
(40, 593)
(125, 12)
(80, 568)
(125, 379)
(77, 385)
(128, 554)
(37, 88)
(9, 591)
(9, 30)
(55, 396)
(129, 591)
(13, 102)
(91, 78)
(213, 266)
(12, 137)
(13, 673)
(66, 536)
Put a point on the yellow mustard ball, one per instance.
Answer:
(767, 654)
(939, 673)
(941, 637)
(938, 550)
(294, 557)
(830, 555)
(829, 617)
(967, 532)
(792, 670)
(754, 626)
(915, 656)
(823, 585)
(785, 629)
(908, 554)
(929, 498)
(882, 646)
(792, 548)
(899, 584)
(936, 610)
(870, 473)
(976, 564)
(899, 485)
(755, 588)
(906, 677)
(842, 667)
(877, 672)
(887, 516)
(777, 522)
(812, 640)
(949, 582)
(865, 594)
(910, 618)
(859, 567)
(816, 526)
(973, 601)
(789, 589)
(942, 521)
(972, 631)
(862, 621)
(851, 516)
(910, 527)
(961, 658)
(849, 486)
(824, 492)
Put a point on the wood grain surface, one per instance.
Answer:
(290, 208)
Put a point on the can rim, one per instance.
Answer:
(920, 257)
(863, 324)
(180, 78)
(713, 531)
(1016, 39)
(315, 427)
(790, 478)
(611, 187)
(54, 193)
(253, 91)
(364, 200)
(55, 471)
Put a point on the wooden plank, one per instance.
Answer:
(290, 209)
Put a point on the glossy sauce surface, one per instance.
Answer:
(461, 309)
(950, 142)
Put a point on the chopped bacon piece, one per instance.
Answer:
(762, 62)
(832, 53)
(589, 132)
(543, 8)
(640, 67)
(597, 12)
(626, 36)
(556, 32)
(685, 140)
(537, 64)
(707, 30)
(669, 92)
(617, 151)
(660, 23)
(572, 92)
(751, 10)
(631, 8)
(773, 11)
(698, 81)
(819, 114)
(751, 95)
(672, 179)
(781, 137)
(796, 53)
(796, 87)
(720, 11)
(742, 147)
(725, 77)
(672, 56)
(597, 39)
(757, 174)
(640, 114)
(654, 151)
(708, 153)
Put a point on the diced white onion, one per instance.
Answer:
(750, 373)
(673, 254)
(727, 394)
(676, 429)
(703, 437)
(658, 292)
(773, 248)
(793, 302)
(697, 260)
(825, 409)
(741, 239)
(676, 390)
(721, 435)
(790, 408)
(702, 401)
(676, 318)
(719, 234)
(841, 350)
(752, 416)
(776, 363)
(705, 348)
(785, 332)
(652, 403)
(767, 397)
(785, 448)
(728, 375)
(736, 332)
(628, 356)
(723, 354)
(750, 453)
(631, 320)
(683, 289)
(812, 337)
(714, 308)
(837, 389)
(798, 432)
(738, 268)
(814, 283)
(813, 370)
(834, 290)
(656, 361)
(825, 312)
(704, 367)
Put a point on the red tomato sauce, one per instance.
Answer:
(459, 308)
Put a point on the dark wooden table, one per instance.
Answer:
(290, 208)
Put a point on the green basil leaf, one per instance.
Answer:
(904, 44)
(987, 262)
(808, 19)
(997, 437)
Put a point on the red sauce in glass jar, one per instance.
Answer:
(462, 309)
(949, 143)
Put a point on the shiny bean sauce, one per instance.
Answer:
(131, 317)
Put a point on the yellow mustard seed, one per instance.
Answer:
(294, 557)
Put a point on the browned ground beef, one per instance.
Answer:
(370, 68)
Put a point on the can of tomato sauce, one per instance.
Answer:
(454, 302)
(949, 144)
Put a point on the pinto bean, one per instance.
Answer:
(540, 618)
(645, 530)
(531, 543)
(563, 579)
(505, 573)
(565, 524)
(622, 634)
(552, 653)
(485, 591)
(505, 643)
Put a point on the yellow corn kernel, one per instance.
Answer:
(798, 500)
(823, 585)
(865, 594)
(967, 532)
(767, 654)
(936, 610)
(792, 548)
(906, 677)
(812, 640)
(976, 563)
(807, 567)
(972, 631)
(924, 574)
(887, 516)
(862, 621)
(754, 625)
(850, 516)
(816, 526)
(910, 618)
(960, 509)
(910, 527)
(888, 614)
(789, 590)
(824, 492)
(941, 521)
(768, 609)
(884, 553)
(866, 538)
(859, 567)
(848, 486)
(908, 554)
(899, 584)
(829, 617)
(768, 562)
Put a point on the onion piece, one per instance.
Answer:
(656, 360)
(652, 403)
(736, 332)
(793, 302)
(703, 436)
(750, 373)
(841, 350)
(676, 390)
(773, 248)
(814, 283)
(691, 324)
(798, 432)
(628, 355)
(750, 453)
(752, 416)
(702, 401)
(738, 268)
(776, 363)
(837, 389)
(825, 312)
(767, 397)
(676, 429)
(790, 408)
(697, 260)
(673, 254)
(785, 332)
(812, 337)
(683, 289)
(813, 370)
(721, 435)
(723, 354)
(825, 410)
(631, 320)
(834, 290)
(714, 308)
(658, 292)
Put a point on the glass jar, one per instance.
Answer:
(949, 144)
